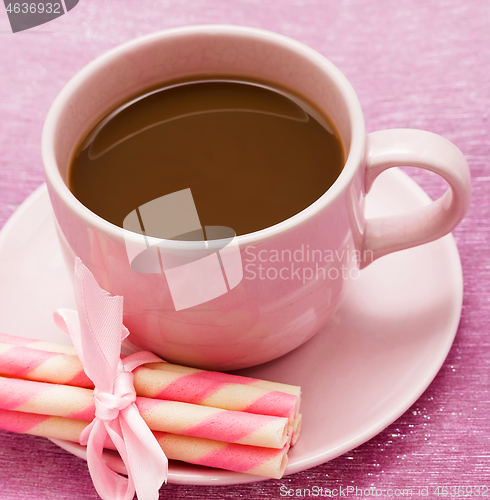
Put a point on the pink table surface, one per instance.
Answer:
(421, 64)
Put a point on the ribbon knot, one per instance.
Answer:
(97, 332)
(108, 405)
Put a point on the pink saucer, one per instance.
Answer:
(359, 374)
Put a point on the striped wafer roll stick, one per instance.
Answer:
(232, 379)
(222, 390)
(160, 381)
(36, 344)
(42, 366)
(266, 462)
(237, 379)
(42, 425)
(167, 416)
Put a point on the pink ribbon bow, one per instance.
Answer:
(97, 333)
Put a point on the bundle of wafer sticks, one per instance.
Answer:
(202, 417)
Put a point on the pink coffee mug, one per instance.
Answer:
(259, 316)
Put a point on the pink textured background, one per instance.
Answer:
(420, 63)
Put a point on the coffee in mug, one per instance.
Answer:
(252, 154)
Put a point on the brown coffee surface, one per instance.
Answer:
(252, 156)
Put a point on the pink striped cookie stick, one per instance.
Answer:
(237, 379)
(266, 462)
(167, 416)
(42, 425)
(42, 365)
(222, 390)
(168, 382)
(37, 344)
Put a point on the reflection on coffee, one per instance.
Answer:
(252, 155)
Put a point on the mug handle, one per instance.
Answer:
(415, 148)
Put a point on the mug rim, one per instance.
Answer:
(352, 161)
